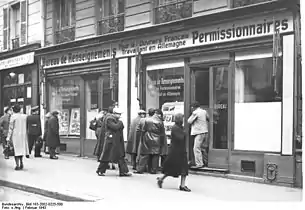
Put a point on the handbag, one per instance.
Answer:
(39, 143)
(9, 148)
(93, 124)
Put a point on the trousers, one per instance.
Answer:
(201, 149)
(144, 161)
(32, 140)
(123, 168)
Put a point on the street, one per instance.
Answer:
(13, 195)
(76, 177)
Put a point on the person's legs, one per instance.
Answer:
(160, 180)
(154, 163)
(142, 163)
(205, 149)
(134, 161)
(31, 142)
(182, 185)
(38, 145)
(123, 168)
(101, 169)
(17, 161)
(197, 150)
(21, 162)
(52, 153)
(5, 147)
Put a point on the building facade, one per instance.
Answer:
(20, 33)
(239, 59)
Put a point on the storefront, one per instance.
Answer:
(77, 84)
(243, 72)
(19, 80)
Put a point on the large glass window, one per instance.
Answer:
(258, 107)
(92, 107)
(65, 97)
(165, 90)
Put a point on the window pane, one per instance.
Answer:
(202, 84)
(165, 90)
(256, 82)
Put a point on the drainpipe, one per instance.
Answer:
(302, 10)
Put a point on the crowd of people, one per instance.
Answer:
(146, 143)
(20, 133)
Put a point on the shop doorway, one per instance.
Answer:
(210, 87)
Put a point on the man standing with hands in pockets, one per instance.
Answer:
(199, 130)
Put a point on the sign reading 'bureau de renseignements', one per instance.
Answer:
(237, 30)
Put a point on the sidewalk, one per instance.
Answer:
(71, 178)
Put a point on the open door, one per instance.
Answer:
(211, 89)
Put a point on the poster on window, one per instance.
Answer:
(28, 109)
(170, 109)
(63, 119)
(91, 114)
(75, 122)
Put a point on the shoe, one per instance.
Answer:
(27, 156)
(21, 166)
(125, 174)
(159, 182)
(6, 157)
(17, 168)
(100, 173)
(37, 156)
(153, 172)
(185, 189)
(138, 172)
(54, 157)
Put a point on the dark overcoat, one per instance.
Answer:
(133, 141)
(100, 137)
(45, 133)
(153, 136)
(113, 149)
(176, 163)
(34, 125)
(53, 139)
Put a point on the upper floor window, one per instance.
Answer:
(15, 25)
(242, 3)
(111, 16)
(170, 10)
(64, 16)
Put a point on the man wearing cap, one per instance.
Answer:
(113, 150)
(4, 126)
(133, 139)
(34, 129)
(53, 139)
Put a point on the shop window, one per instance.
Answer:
(171, 10)
(165, 90)
(242, 3)
(64, 15)
(92, 96)
(111, 16)
(65, 97)
(258, 103)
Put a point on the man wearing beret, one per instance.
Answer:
(34, 129)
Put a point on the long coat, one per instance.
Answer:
(176, 163)
(4, 125)
(113, 149)
(53, 139)
(153, 137)
(133, 141)
(18, 134)
(45, 133)
(100, 135)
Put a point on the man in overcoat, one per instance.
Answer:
(133, 141)
(34, 130)
(113, 150)
(152, 142)
(4, 127)
(53, 139)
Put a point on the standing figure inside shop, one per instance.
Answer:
(175, 164)
(152, 142)
(199, 130)
(18, 135)
(45, 133)
(34, 130)
(133, 139)
(53, 139)
(4, 126)
(113, 150)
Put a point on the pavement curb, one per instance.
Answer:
(46, 193)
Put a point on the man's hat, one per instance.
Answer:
(117, 111)
(141, 112)
(35, 108)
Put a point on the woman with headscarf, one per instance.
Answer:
(18, 135)
(175, 164)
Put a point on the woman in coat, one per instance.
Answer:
(45, 133)
(53, 139)
(175, 164)
(18, 135)
(99, 130)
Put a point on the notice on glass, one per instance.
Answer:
(63, 119)
(75, 122)
(29, 92)
(91, 114)
(20, 78)
(28, 109)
